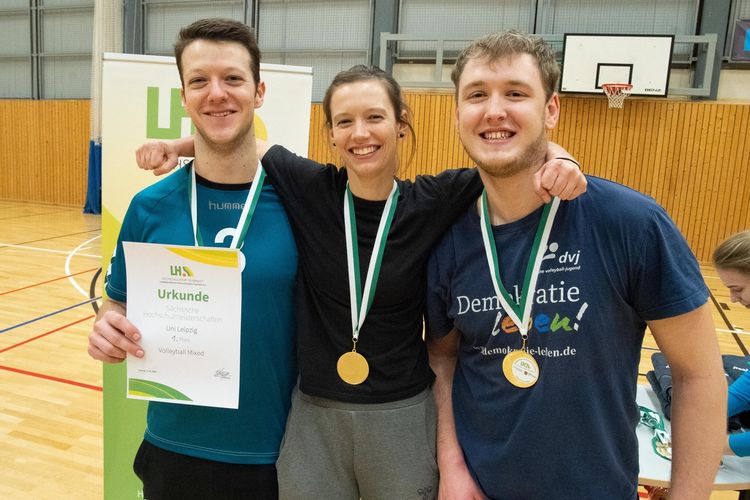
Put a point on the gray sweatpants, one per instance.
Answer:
(346, 451)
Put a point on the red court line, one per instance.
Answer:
(50, 377)
(47, 333)
(48, 281)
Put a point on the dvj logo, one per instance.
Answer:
(571, 258)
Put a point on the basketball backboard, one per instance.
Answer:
(589, 60)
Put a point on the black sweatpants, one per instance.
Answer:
(167, 475)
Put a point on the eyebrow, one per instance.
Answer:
(228, 69)
(368, 110)
(521, 83)
(512, 83)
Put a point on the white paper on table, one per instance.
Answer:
(186, 301)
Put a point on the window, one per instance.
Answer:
(451, 19)
(15, 49)
(45, 48)
(162, 20)
(329, 35)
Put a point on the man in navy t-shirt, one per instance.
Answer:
(536, 313)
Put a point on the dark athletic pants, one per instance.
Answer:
(167, 475)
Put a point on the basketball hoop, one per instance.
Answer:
(616, 93)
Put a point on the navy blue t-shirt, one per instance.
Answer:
(614, 260)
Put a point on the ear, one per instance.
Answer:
(182, 95)
(552, 112)
(260, 94)
(402, 122)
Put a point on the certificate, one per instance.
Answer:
(186, 301)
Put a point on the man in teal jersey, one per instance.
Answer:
(193, 451)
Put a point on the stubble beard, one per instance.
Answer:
(230, 146)
(530, 158)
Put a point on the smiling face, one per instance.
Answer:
(502, 113)
(219, 92)
(738, 284)
(365, 131)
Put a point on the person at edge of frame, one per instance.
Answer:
(362, 422)
(199, 452)
(732, 262)
(536, 313)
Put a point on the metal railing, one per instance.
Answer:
(703, 61)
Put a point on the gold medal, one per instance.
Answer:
(521, 369)
(353, 368)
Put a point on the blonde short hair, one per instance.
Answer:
(734, 253)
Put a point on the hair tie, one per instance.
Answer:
(568, 159)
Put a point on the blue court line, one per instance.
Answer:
(50, 314)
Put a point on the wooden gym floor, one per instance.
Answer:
(50, 390)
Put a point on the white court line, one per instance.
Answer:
(23, 247)
(72, 254)
(723, 330)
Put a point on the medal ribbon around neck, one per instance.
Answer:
(352, 367)
(361, 301)
(247, 210)
(520, 313)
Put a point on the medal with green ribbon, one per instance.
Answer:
(661, 442)
(519, 366)
(248, 209)
(352, 367)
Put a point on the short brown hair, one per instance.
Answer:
(734, 253)
(509, 43)
(219, 30)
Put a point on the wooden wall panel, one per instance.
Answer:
(692, 157)
(44, 148)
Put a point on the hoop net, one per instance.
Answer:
(616, 93)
